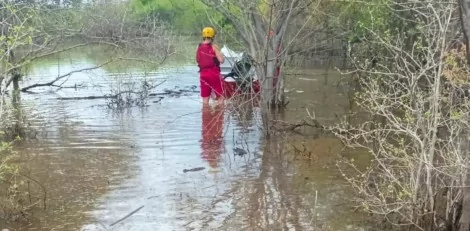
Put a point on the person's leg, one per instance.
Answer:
(217, 87)
(205, 100)
(221, 101)
(205, 90)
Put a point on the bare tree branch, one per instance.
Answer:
(50, 83)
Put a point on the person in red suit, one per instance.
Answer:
(209, 58)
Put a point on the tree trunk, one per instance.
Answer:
(464, 223)
(16, 87)
(280, 96)
(16, 82)
(272, 92)
(465, 21)
(267, 85)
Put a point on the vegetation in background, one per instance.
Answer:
(186, 17)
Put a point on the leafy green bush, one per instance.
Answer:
(185, 16)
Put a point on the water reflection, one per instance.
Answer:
(244, 112)
(212, 140)
(73, 163)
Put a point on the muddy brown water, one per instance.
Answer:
(98, 165)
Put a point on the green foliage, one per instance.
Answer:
(361, 18)
(186, 16)
(369, 20)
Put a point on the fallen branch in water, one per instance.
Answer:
(127, 216)
(59, 87)
(52, 83)
(89, 97)
(193, 169)
(312, 122)
(291, 128)
(98, 97)
(303, 123)
(44, 199)
(76, 86)
(171, 92)
(115, 96)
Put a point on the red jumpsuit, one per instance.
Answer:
(209, 71)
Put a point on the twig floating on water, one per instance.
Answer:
(239, 152)
(127, 216)
(174, 93)
(88, 97)
(193, 169)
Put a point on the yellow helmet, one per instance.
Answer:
(208, 32)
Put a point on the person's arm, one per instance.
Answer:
(218, 54)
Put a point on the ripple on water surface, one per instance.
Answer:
(101, 166)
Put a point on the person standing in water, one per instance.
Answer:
(209, 58)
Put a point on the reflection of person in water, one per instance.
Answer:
(212, 129)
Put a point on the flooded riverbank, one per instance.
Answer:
(98, 165)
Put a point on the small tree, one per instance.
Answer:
(417, 132)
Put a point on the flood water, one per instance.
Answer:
(99, 165)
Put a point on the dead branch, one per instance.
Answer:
(117, 95)
(40, 185)
(303, 123)
(76, 86)
(173, 92)
(102, 96)
(88, 97)
(51, 83)
(127, 216)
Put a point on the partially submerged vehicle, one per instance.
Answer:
(238, 73)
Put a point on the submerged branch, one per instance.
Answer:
(127, 216)
(89, 97)
(100, 96)
(115, 96)
(44, 199)
(303, 123)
